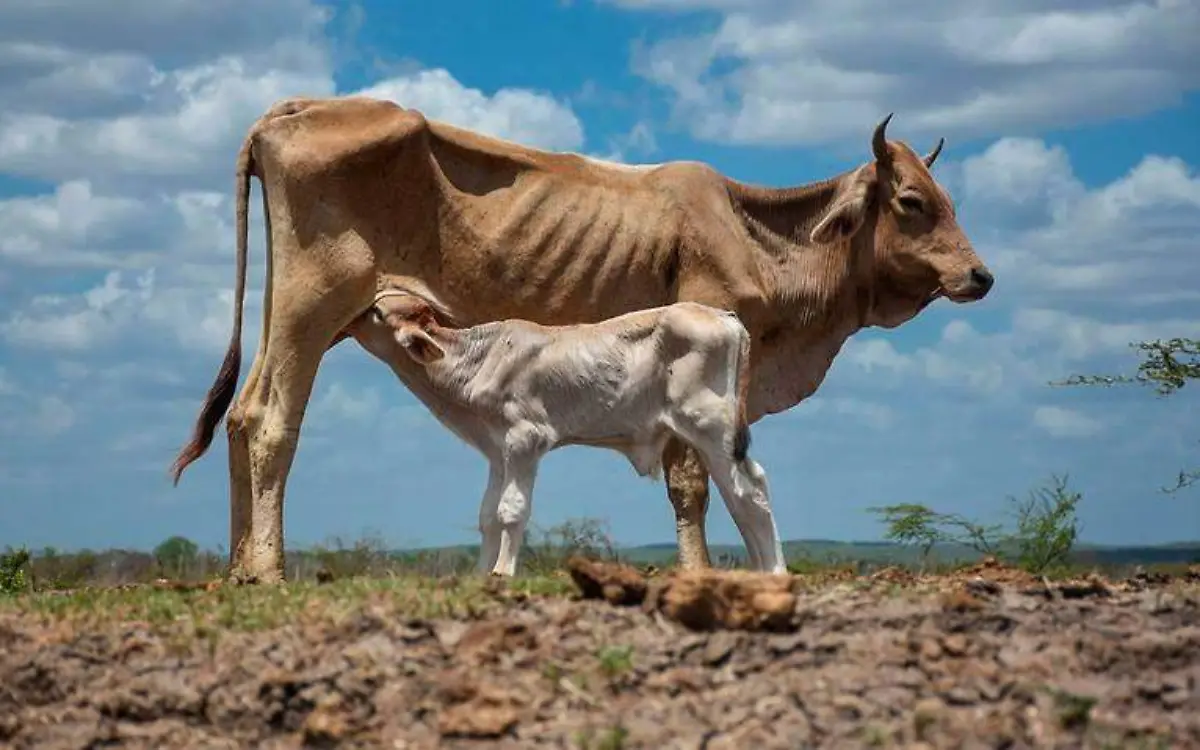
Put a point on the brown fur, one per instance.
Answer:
(356, 188)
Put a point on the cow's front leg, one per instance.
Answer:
(687, 488)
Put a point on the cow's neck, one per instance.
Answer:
(816, 296)
(783, 217)
(809, 286)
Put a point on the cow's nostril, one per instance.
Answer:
(982, 279)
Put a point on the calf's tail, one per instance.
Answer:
(741, 434)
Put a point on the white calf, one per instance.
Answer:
(516, 390)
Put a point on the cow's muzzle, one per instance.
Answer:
(974, 286)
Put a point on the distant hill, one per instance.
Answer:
(828, 550)
(882, 553)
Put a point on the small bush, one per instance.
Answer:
(176, 557)
(586, 537)
(1045, 532)
(13, 579)
(1047, 527)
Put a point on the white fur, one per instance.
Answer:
(515, 391)
(619, 166)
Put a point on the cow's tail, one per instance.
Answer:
(221, 393)
(741, 434)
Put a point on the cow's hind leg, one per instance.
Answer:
(301, 326)
(250, 399)
(241, 497)
(687, 488)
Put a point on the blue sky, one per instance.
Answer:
(1071, 153)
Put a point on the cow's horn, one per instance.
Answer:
(879, 140)
(933, 155)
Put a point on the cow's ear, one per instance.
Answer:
(420, 346)
(847, 212)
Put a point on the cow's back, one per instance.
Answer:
(560, 238)
(497, 229)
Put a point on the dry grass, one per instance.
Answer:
(246, 608)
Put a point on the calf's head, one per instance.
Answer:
(399, 324)
(918, 252)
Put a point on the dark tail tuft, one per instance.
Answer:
(218, 400)
(741, 443)
(741, 435)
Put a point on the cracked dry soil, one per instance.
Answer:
(865, 663)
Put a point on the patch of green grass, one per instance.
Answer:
(612, 738)
(876, 735)
(552, 671)
(615, 660)
(248, 608)
(1074, 711)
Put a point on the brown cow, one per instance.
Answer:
(355, 188)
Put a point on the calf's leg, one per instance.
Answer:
(743, 487)
(513, 511)
(742, 484)
(687, 488)
(489, 521)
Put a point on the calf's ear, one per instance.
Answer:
(847, 212)
(419, 345)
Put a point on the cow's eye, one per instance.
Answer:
(912, 203)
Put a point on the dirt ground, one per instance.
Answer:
(988, 658)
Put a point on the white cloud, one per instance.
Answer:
(53, 416)
(1065, 423)
(639, 139)
(520, 115)
(189, 127)
(1129, 243)
(342, 403)
(876, 415)
(802, 73)
(138, 127)
(73, 226)
(1077, 338)
(148, 89)
(180, 31)
(195, 318)
(93, 62)
(1038, 346)
(7, 386)
(1019, 182)
(23, 414)
(85, 321)
(189, 120)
